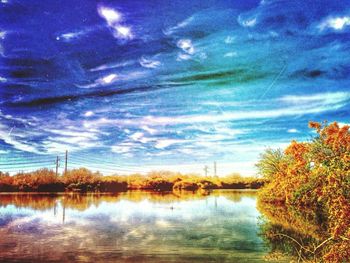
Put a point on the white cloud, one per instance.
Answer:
(186, 45)
(70, 139)
(231, 54)
(186, 150)
(3, 34)
(114, 65)
(139, 137)
(108, 79)
(88, 113)
(69, 36)
(122, 148)
(251, 22)
(336, 23)
(316, 103)
(292, 131)
(11, 139)
(136, 136)
(57, 147)
(2, 37)
(105, 80)
(342, 124)
(148, 129)
(123, 32)
(182, 56)
(133, 75)
(111, 78)
(60, 144)
(324, 98)
(114, 18)
(229, 39)
(111, 15)
(163, 143)
(295, 105)
(148, 63)
(76, 133)
(178, 26)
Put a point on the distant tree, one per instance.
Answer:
(270, 163)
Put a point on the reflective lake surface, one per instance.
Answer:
(222, 226)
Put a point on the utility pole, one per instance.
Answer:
(215, 169)
(206, 170)
(57, 164)
(66, 162)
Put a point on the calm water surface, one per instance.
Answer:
(131, 227)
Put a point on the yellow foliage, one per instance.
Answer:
(316, 175)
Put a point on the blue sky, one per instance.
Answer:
(133, 86)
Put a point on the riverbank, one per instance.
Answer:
(312, 179)
(84, 180)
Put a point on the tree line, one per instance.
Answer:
(84, 180)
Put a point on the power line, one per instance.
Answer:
(24, 169)
(99, 162)
(77, 160)
(74, 158)
(24, 163)
(13, 166)
(26, 157)
(96, 166)
(91, 159)
(39, 164)
(81, 159)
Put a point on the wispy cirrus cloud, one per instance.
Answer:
(15, 142)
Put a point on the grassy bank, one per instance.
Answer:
(83, 180)
(314, 176)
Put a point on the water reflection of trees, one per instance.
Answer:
(82, 202)
(300, 234)
(33, 201)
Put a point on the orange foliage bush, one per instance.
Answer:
(316, 175)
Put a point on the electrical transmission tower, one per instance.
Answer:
(57, 162)
(206, 169)
(66, 162)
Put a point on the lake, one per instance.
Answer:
(136, 226)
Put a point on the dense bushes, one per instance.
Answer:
(235, 181)
(83, 180)
(315, 175)
(185, 185)
(38, 181)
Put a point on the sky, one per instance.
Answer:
(134, 86)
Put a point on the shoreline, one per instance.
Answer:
(130, 190)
